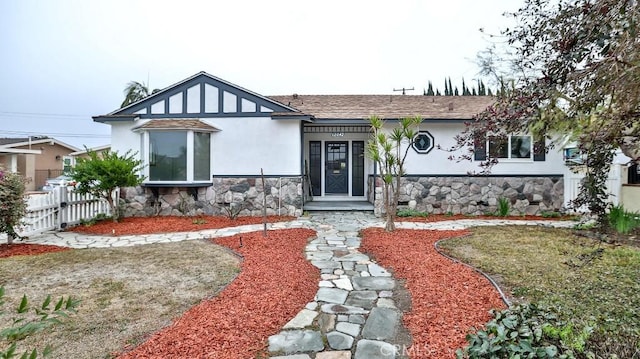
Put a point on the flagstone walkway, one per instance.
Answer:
(353, 314)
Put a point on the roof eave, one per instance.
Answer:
(114, 118)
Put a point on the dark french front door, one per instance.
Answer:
(337, 168)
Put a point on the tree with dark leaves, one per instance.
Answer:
(573, 68)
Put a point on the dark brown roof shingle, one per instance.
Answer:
(387, 106)
(177, 124)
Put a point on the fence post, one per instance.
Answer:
(62, 207)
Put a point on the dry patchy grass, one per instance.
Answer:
(590, 282)
(127, 293)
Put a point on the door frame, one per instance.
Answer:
(345, 172)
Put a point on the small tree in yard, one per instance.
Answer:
(12, 203)
(101, 175)
(389, 154)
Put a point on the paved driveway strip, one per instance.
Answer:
(353, 314)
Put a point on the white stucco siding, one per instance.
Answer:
(124, 139)
(245, 144)
(437, 161)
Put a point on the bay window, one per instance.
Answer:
(178, 156)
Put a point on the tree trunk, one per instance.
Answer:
(114, 209)
(9, 239)
(390, 225)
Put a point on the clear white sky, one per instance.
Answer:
(63, 61)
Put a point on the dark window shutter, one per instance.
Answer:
(539, 150)
(480, 147)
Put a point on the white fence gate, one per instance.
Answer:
(60, 208)
(572, 182)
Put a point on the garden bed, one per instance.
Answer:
(275, 283)
(23, 249)
(165, 224)
(447, 298)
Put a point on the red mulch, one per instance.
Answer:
(455, 217)
(447, 298)
(165, 224)
(275, 283)
(23, 249)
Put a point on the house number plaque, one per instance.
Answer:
(337, 134)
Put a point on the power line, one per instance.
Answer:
(41, 114)
(56, 134)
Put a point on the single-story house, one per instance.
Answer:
(204, 142)
(36, 158)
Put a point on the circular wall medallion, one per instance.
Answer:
(422, 142)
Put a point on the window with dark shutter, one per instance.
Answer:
(480, 147)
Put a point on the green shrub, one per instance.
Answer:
(24, 324)
(525, 331)
(12, 204)
(623, 221)
(503, 207)
(550, 214)
(409, 212)
(90, 222)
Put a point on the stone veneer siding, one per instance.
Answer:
(475, 195)
(284, 197)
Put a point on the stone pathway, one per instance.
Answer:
(353, 314)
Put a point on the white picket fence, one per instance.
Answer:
(572, 182)
(62, 207)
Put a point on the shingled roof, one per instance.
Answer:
(387, 106)
(177, 124)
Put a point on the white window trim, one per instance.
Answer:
(509, 158)
(145, 152)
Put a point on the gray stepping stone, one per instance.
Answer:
(378, 271)
(339, 340)
(354, 257)
(332, 295)
(386, 303)
(373, 283)
(326, 322)
(342, 354)
(297, 356)
(381, 324)
(296, 341)
(319, 255)
(373, 349)
(356, 319)
(303, 319)
(348, 328)
(362, 298)
(326, 264)
(342, 309)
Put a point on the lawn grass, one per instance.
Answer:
(589, 282)
(126, 293)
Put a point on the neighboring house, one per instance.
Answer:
(73, 156)
(204, 142)
(36, 158)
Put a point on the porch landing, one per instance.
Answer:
(338, 206)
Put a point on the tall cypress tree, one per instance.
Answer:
(430, 89)
(438, 92)
(456, 93)
(450, 87)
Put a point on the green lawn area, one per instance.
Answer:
(589, 282)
